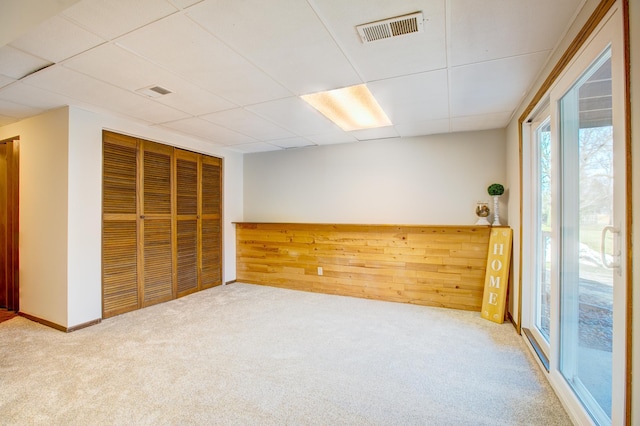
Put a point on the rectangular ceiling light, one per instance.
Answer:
(351, 108)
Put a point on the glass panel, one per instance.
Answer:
(543, 229)
(586, 298)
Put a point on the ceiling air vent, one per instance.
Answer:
(154, 91)
(392, 27)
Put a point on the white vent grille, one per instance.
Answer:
(160, 90)
(154, 91)
(392, 27)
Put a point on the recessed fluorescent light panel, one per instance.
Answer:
(351, 108)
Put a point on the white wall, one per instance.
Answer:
(43, 213)
(422, 180)
(85, 221)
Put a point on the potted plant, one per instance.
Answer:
(495, 190)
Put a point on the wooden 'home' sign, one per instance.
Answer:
(497, 276)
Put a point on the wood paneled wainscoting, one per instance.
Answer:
(426, 265)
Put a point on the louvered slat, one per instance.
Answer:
(119, 260)
(157, 261)
(211, 253)
(187, 224)
(187, 256)
(187, 176)
(157, 183)
(119, 179)
(210, 188)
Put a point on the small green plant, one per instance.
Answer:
(495, 189)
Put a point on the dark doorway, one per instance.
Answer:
(9, 174)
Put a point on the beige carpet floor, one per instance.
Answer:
(251, 355)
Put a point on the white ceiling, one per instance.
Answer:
(237, 68)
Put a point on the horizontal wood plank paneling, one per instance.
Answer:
(426, 265)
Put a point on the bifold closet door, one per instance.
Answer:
(211, 232)
(187, 184)
(156, 243)
(161, 232)
(119, 225)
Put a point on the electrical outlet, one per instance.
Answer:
(319, 270)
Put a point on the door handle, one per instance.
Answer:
(615, 263)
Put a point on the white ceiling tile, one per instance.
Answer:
(379, 133)
(296, 142)
(5, 81)
(209, 131)
(193, 99)
(181, 46)
(183, 4)
(480, 122)
(493, 29)
(295, 115)
(331, 138)
(105, 63)
(294, 47)
(17, 110)
(18, 17)
(423, 127)
(248, 123)
(110, 19)
(34, 97)
(494, 86)
(390, 57)
(86, 89)
(57, 39)
(415, 97)
(147, 109)
(254, 147)
(16, 64)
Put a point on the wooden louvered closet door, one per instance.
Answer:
(187, 184)
(119, 225)
(161, 236)
(156, 223)
(211, 214)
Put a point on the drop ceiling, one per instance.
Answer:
(236, 69)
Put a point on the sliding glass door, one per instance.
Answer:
(543, 234)
(576, 308)
(587, 267)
